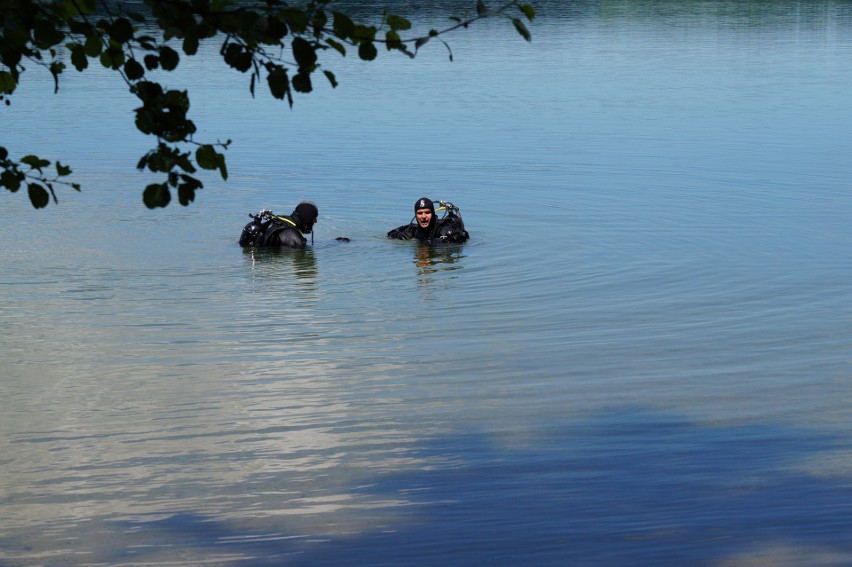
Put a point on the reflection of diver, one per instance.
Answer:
(431, 259)
(267, 262)
(428, 228)
(269, 229)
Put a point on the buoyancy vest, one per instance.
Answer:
(272, 235)
(451, 228)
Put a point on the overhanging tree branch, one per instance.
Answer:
(46, 32)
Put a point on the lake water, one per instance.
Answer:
(642, 356)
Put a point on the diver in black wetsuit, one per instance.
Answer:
(428, 228)
(268, 229)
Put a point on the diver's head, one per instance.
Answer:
(424, 212)
(305, 215)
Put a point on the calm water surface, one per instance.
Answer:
(641, 357)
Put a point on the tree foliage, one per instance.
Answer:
(276, 43)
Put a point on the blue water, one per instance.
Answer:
(641, 357)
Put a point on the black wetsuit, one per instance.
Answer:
(448, 229)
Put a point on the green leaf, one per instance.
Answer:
(187, 189)
(38, 195)
(367, 51)
(275, 31)
(7, 83)
(279, 83)
(94, 45)
(62, 170)
(148, 91)
(146, 42)
(56, 69)
(11, 180)
(146, 122)
(151, 62)
(133, 70)
(528, 11)
(185, 163)
(319, 22)
(186, 195)
(46, 35)
(190, 45)
(295, 18)
(364, 33)
(206, 157)
(156, 195)
(331, 78)
(112, 58)
(249, 22)
(35, 162)
(343, 26)
(238, 57)
(392, 40)
(143, 161)
(336, 45)
(169, 58)
(302, 83)
(420, 42)
(522, 29)
(398, 23)
(78, 57)
(191, 181)
(305, 53)
(223, 168)
(121, 30)
(77, 27)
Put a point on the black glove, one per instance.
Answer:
(400, 234)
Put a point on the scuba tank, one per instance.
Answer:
(253, 232)
(451, 226)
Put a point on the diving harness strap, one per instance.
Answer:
(291, 223)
